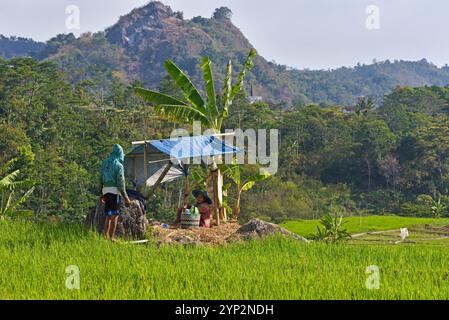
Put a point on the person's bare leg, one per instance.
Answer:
(107, 226)
(113, 227)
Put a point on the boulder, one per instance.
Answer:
(260, 229)
(131, 225)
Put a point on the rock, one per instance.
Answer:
(260, 229)
(131, 225)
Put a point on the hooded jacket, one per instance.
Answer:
(112, 171)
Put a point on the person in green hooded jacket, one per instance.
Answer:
(113, 188)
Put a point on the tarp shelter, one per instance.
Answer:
(150, 161)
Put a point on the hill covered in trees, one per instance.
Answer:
(11, 47)
(391, 159)
(136, 47)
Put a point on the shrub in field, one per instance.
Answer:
(438, 208)
(381, 201)
(426, 206)
(276, 201)
(332, 230)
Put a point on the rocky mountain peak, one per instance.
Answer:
(153, 10)
(154, 15)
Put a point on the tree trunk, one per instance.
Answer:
(368, 164)
(236, 210)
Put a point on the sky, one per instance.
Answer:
(312, 34)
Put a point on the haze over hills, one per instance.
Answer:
(136, 47)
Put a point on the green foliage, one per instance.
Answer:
(195, 107)
(222, 13)
(379, 162)
(10, 201)
(426, 206)
(364, 106)
(332, 230)
(233, 172)
(381, 201)
(438, 208)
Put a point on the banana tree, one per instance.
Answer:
(438, 208)
(194, 107)
(242, 185)
(9, 202)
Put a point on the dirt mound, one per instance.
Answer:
(131, 225)
(197, 236)
(220, 235)
(260, 229)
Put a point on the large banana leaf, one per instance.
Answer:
(4, 168)
(180, 114)
(247, 67)
(157, 98)
(11, 205)
(8, 182)
(170, 108)
(251, 181)
(227, 90)
(208, 77)
(191, 93)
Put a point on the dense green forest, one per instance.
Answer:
(388, 159)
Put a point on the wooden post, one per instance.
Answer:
(186, 190)
(145, 164)
(215, 196)
(134, 169)
(159, 180)
(219, 195)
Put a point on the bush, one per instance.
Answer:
(381, 201)
(281, 200)
(421, 207)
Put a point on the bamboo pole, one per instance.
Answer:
(145, 164)
(186, 190)
(159, 180)
(215, 196)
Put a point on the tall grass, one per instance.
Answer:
(33, 259)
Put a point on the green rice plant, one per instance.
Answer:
(34, 259)
(362, 224)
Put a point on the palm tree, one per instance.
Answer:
(364, 106)
(9, 202)
(196, 108)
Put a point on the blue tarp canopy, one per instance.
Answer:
(193, 147)
(176, 150)
(186, 147)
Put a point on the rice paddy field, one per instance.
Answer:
(360, 224)
(34, 260)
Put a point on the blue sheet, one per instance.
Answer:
(193, 147)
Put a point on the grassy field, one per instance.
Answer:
(34, 258)
(364, 224)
